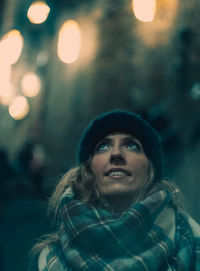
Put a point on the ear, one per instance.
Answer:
(151, 172)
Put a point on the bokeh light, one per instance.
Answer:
(7, 95)
(11, 47)
(31, 84)
(144, 10)
(195, 91)
(19, 108)
(69, 42)
(5, 76)
(38, 12)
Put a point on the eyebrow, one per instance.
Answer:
(105, 139)
(126, 138)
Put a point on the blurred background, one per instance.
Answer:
(62, 63)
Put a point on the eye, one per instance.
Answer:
(102, 147)
(133, 145)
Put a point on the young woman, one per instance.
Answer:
(114, 211)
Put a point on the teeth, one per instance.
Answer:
(117, 173)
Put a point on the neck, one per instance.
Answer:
(116, 203)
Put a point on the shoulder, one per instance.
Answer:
(51, 257)
(187, 222)
(33, 264)
(42, 258)
(194, 226)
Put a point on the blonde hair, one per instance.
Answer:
(82, 181)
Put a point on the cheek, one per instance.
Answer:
(141, 166)
(144, 165)
(97, 165)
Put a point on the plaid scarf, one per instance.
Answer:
(150, 235)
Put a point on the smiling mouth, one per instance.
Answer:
(117, 172)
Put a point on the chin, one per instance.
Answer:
(121, 193)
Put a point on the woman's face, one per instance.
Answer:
(120, 166)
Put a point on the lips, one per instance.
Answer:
(117, 172)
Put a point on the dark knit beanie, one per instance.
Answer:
(121, 121)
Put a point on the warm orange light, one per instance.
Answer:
(5, 75)
(11, 47)
(19, 108)
(69, 42)
(38, 12)
(144, 10)
(7, 95)
(31, 84)
(6, 90)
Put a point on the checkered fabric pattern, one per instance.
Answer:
(151, 235)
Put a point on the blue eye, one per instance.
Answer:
(132, 145)
(102, 146)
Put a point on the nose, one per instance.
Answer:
(117, 157)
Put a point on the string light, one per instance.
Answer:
(5, 75)
(38, 12)
(31, 84)
(11, 47)
(19, 108)
(69, 42)
(144, 10)
(6, 90)
(7, 95)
